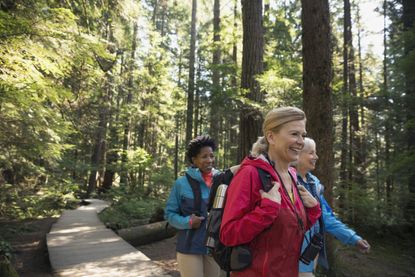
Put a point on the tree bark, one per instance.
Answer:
(408, 21)
(215, 108)
(389, 178)
(191, 82)
(147, 233)
(128, 101)
(317, 95)
(361, 92)
(250, 124)
(344, 155)
(99, 145)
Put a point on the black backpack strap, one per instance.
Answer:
(197, 195)
(219, 179)
(320, 219)
(266, 179)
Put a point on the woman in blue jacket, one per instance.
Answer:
(186, 210)
(332, 225)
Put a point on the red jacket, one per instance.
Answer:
(271, 229)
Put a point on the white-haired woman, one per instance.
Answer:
(330, 224)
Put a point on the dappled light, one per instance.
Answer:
(99, 101)
(80, 245)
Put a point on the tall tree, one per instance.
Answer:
(361, 87)
(409, 48)
(317, 94)
(216, 86)
(355, 140)
(387, 97)
(250, 123)
(98, 156)
(354, 165)
(128, 101)
(345, 103)
(191, 82)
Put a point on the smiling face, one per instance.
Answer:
(204, 160)
(308, 157)
(286, 144)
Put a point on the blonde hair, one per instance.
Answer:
(274, 120)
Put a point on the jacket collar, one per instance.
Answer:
(196, 174)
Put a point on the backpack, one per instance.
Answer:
(235, 258)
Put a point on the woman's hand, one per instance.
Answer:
(196, 221)
(363, 246)
(308, 199)
(273, 194)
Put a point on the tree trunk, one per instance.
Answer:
(127, 127)
(98, 159)
(408, 21)
(234, 84)
(361, 92)
(147, 233)
(215, 108)
(176, 148)
(317, 95)
(191, 83)
(99, 145)
(344, 160)
(154, 16)
(355, 140)
(197, 104)
(389, 179)
(250, 125)
(112, 157)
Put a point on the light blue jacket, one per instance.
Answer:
(331, 224)
(179, 208)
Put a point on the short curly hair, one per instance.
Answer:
(196, 144)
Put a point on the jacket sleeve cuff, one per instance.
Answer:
(190, 222)
(314, 213)
(354, 239)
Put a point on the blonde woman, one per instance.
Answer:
(272, 223)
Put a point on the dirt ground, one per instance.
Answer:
(163, 253)
(30, 251)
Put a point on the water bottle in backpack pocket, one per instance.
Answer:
(229, 258)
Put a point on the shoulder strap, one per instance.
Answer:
(266, 179)
(320, 219)
(197, 194)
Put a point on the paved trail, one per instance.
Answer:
(79, 245)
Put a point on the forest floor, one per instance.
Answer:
(28, 239)
(390, 256)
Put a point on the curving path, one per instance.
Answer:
(80, 245)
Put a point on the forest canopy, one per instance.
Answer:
(103, 96)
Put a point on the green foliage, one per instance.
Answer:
(21, 203)
(6, 250)
(127, 208)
